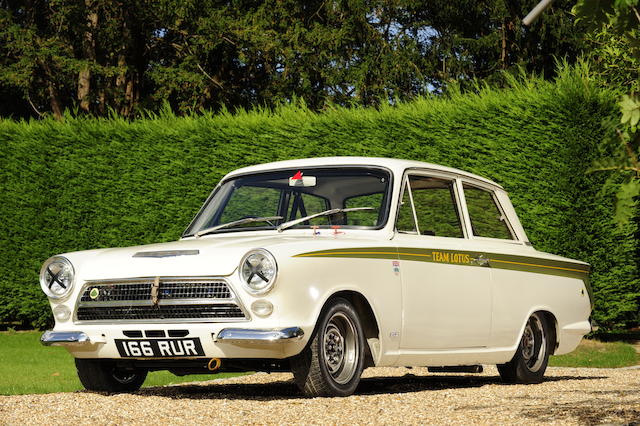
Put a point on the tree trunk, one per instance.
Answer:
(122, 85)
(89, 53)
(54, 100)
(503, 54)
(54, 97)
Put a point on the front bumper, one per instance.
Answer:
(224, 343)
(258, 336)
(63, 338)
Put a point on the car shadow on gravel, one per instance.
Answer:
(593, 411)
(368, 386)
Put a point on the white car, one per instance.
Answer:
(324, 267)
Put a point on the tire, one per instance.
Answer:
(332, 362)
(103, 376)
(530, 360)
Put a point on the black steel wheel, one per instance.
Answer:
(333, 361)
(529, 363)
(104, 376)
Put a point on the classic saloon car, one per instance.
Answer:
(324, 267)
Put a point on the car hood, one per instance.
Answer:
(210, 255)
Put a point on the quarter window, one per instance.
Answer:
(435, 207)
(405, 222)
(487, 220)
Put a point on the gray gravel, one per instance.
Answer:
(385, 396)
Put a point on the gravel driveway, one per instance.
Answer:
(385, 395)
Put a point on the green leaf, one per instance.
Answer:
(625, 206)
(594, 12)
(635, 117)
(630, 109)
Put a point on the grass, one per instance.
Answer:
(592, 353)
(28, 367)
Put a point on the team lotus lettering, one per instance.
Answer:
(444, 257)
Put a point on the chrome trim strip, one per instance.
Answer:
(166, 253)
(151, 278)
(64, 338)
(161, 302)
(247, 335)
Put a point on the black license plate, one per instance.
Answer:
(159, 348)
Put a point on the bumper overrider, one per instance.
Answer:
(242, 336)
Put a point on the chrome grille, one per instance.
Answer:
(118, 291)
(162, 298)
(169, 289)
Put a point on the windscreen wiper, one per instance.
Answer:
(242, 221)
(294, 222)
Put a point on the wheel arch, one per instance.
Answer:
(367, 317)
(551, 320)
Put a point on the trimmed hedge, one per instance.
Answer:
(88, 183)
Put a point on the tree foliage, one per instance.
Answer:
(88, 183)
(615, 24)
(125, 57)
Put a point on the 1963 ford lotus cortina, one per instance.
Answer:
(324, 267)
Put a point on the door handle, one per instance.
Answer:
(480, 260)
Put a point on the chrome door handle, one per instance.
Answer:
(480, 260)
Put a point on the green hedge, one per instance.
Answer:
(87, 183)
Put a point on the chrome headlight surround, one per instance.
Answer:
(258, 271)
(57, 277)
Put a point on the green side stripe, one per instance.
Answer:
(455, 257)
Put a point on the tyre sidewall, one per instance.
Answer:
(523, 373)
(97, 375)
(340, 305)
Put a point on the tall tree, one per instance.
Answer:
(128, 56)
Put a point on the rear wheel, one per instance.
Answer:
(530, 360)
(105, 376)
(333, 361)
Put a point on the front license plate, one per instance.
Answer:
(159, 348)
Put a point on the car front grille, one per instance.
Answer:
(159, 298)
(169, 289)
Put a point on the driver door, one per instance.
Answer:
(446, 294)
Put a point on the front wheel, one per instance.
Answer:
(104, 376)
(530, 360)
(333, 361)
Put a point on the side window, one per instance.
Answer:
(435, 207)
(251, 200)
(405, 222)
(364, 217)
(486, 218)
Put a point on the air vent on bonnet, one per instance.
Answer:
(167, 253)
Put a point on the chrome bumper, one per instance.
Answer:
(246, 335)
(63, 338)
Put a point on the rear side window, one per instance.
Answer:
(487, 220)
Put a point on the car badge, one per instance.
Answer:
(94, 293)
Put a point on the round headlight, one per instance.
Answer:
(258, 271)
(56, 277)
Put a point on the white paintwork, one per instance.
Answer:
(427, 314)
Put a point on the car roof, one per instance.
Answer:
(396, 165)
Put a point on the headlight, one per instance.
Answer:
(258, 271)
(56, 277)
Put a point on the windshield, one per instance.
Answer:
(282, 196)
